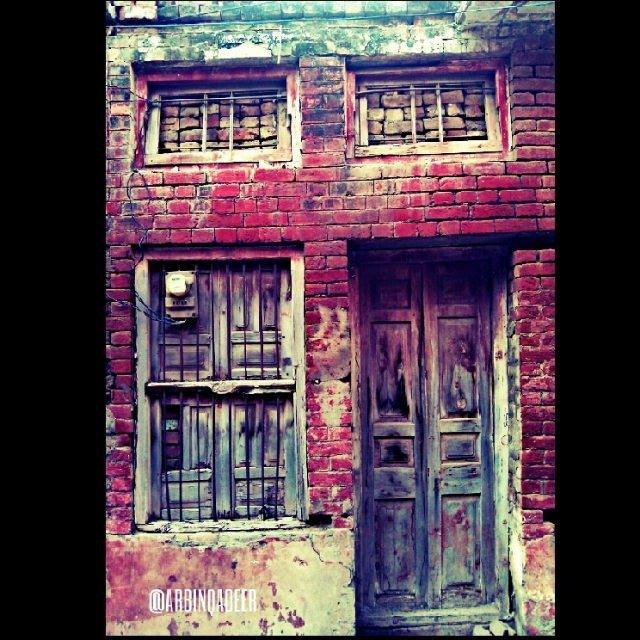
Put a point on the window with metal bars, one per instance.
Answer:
(405, 111)
(188, 119)
(223, 373)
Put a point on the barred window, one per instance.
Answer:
(234, 116)
(426, 111)
(223, 377)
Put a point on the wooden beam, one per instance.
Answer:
(142, 448)
(300, 406)
(501, 430)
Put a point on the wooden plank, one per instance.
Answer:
(350, 112)
(299, 409)
(225, 387)
(485, 405)
(226, 155)
(221, 75)
(501, 429)
(221, 253)
(432, 441)
(357, 413)
(440, 121)
(428, 148)
(413, 116)
(295, 120)
(143, 484)
(459, 425)
(394, 482)
(436, 70)
(152, 139)
(363, 124)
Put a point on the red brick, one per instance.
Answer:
(226, 190)
(457, 184)
(274, 175)
(183, 177)
(498, 182)
(517, 195)
(444, 169)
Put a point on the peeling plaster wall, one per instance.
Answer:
(303, 580)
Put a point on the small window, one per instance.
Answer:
(221, 389)
(426, 111)
(219, 118)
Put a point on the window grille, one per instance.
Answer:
(222, 391)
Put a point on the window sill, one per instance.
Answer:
(218, 526)
(210, 157)
(435, 149)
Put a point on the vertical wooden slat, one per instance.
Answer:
(297, 314)
(197, 465)
(501, 430)
(180, 456)
(152, 139)
(363, 127)
(432, 448)
(214, 470)
(231, 109)
(414, 137)
(439, 103)
(197, 322)
(487, 542)
(205, 115)
(143, 482)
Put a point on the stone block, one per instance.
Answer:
(393, 115)
(452, 96)
(375, 114)
(395, 100)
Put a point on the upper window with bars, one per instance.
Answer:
(427, 111)
(199, 117)
(223, 378)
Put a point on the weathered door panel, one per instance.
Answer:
(394, 489)
(427, 529)
(459, 439)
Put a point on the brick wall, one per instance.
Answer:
(533, 310)
(322, 205)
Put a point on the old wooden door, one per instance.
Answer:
(426, 529)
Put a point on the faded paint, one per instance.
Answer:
(330, 346)
(539, 609)
(303, 580)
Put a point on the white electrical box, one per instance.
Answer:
(181, 294)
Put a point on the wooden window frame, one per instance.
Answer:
(497, 111)
(143, 498)
(148, 115)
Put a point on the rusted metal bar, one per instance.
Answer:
(275, 512)
(262, 434)
(260, 326)
(181, 456)
(214, 508)
(232, 479)
(195, 284)
(276, 286)
(247, 456)
(244, 315)
(163, 350)
(163, 441)
(197, 449)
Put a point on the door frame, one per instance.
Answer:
(496, 256)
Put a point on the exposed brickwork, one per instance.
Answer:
(532, 290)
(323, 204)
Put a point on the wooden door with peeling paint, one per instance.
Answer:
(426, 529)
